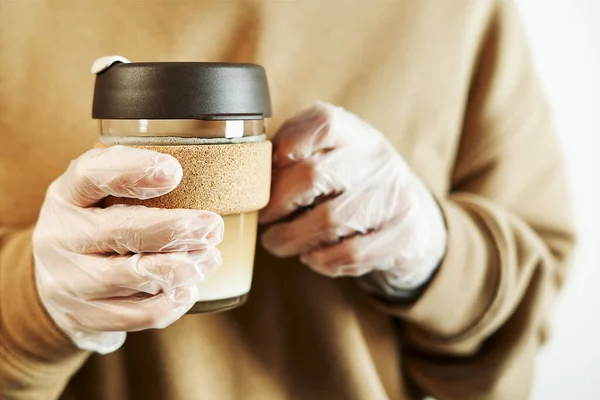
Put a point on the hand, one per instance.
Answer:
(346, 202)
(102, 272)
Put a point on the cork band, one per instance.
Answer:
(226, 179)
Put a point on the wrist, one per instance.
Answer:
(31, 333)
(387, 287)
(408, 281)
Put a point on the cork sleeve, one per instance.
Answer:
(226, 179)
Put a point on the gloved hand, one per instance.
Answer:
(102, 272)
(347, 203)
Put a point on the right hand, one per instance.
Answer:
(101, 272)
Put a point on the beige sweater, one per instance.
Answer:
(449, 82)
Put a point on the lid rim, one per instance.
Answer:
(182, 90)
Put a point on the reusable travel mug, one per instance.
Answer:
(211, 117)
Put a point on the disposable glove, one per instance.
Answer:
(347, 203)
(103, 271)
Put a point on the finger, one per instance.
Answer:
(313, 228)
(383, 249)
(365, 207)
(320, 128)
(100, 276)
(135, 314)
(125, 229)
(321, 175)
(117, 171)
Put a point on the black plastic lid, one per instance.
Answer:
(182, 90)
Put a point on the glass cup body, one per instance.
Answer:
(229, 286)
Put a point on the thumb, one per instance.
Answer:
(118, 171)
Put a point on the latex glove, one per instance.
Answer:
(102, 272)
(367, 210)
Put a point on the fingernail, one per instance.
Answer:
(209, 228)
(298, 155)
(167, 168)
(208, 263)
(184, 294)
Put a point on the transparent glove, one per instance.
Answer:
(102, 272)
(346, 202)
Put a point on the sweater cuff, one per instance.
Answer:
(463, 285)
(376, 283)
(29, 338)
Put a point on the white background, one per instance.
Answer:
(565, 41)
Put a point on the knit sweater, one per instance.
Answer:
(450, 84)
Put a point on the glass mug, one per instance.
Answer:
(211, 117)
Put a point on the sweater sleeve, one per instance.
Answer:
(36, 358)
(475, 330)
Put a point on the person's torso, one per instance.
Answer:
(403, 66)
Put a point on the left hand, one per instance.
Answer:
(363, 208)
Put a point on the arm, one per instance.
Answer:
(36, 358)
(476, 329)
(74, 281)
(477, 271)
